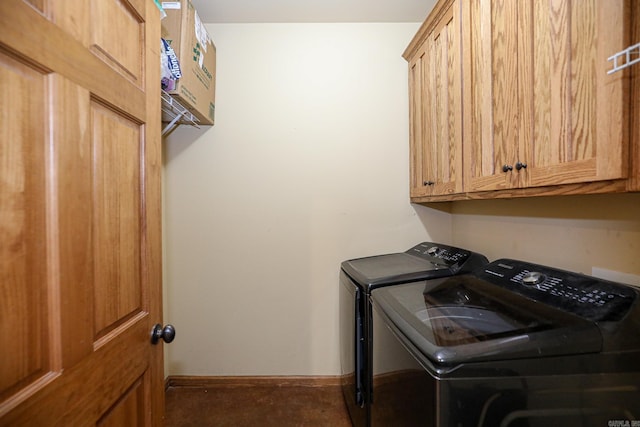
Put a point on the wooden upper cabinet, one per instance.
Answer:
(540, 109)
(512, 98)
(435, 104)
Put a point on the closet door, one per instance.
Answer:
(80, 258)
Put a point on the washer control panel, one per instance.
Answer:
(532, 278)
(585, 296)
(439, 253)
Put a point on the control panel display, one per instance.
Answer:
(438, 253)
(585, 296)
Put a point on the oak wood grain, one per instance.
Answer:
(596, 187)
(435, 108)
(536, 92)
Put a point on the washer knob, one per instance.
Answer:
(532, 278)
(433, 250)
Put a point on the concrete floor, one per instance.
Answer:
(259, 405)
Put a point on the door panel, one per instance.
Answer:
(116, 143)
(123, 53)
(125, 411)
(23, 292)
(80, 263)
(70, 193)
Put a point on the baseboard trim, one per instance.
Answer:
(251, 381)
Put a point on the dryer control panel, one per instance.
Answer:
(585, 296)
(438, 253)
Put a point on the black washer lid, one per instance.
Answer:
(426, 260)
(391, 268)
(464, 319)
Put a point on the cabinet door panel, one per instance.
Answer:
(578, 133)
(490, 93)
(445, 119)
(417, 189)
(436, 113)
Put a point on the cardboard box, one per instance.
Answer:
(195, 50)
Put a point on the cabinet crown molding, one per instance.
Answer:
(427, 26)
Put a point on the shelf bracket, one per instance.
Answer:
(174, 114)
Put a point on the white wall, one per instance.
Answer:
(306, 166)
(586, 234)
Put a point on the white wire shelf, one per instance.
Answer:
(625, 58)
(174, 114)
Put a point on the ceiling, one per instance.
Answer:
(254, 11)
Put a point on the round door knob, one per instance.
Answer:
(507, 168)
(168, 333)
(521, 165)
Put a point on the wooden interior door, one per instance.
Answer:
(80, 233)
